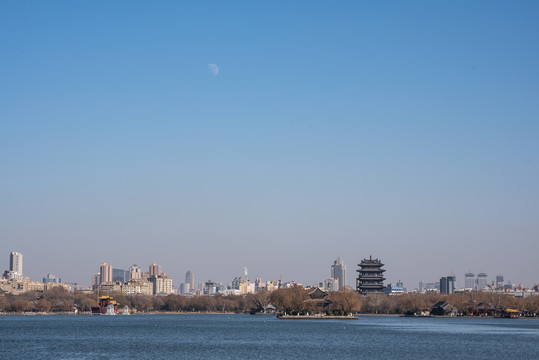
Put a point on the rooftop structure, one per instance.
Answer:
(370, 276)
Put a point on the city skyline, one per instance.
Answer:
(108, 273)
(274, 136)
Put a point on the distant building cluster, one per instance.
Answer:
(134, 280)
(479, 282)
(14, 282)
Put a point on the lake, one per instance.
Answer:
(199, 336)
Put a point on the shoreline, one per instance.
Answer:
(284, 317)
(314, 317)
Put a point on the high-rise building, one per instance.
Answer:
(499, 281)
(259, 284)
(120, 275)
(15, 263)
(162, 284)
(135, 272)
(421, 286)
(50, 279)
(185, 289)
(469, 280)
(96, 281)
(338, 271)
(331, 284)
(106, 273)
(190, 279)
(482, 281)
(447, 284)
(370, 276)
(155, 270)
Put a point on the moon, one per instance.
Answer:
(214, 69)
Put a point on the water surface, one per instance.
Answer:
(264, 337)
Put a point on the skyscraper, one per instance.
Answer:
(120, 275)
(15, 263)
(499, 281)
(482, 281)
(469, 280)
(447, 284)
(155, 270)
(190, 279)
(135, 272)
(338, 271)
(106, 273)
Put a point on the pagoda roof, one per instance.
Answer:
(318, 294)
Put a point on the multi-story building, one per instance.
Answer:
(162, 284)
(396, 289)
(259, 284)
(19, 286)
(469, 281)
(211, 288)
(8, 274)
(50, 279)
(370, 276)
(482, 281)
(106, 273)
(135, 272)
(499, 281)
(96, 281)
(432, 286)
(120, 275)
(15, 263)
(190, 279)
(338, 271)
(447, 284)
(115, 286)
(137, 286)
(185, 289)
(154, 270)
(331, 284)
(273, 285)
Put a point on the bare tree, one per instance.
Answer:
(346, 300)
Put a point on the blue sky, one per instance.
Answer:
(403, 130)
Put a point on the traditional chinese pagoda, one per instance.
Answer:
(370, 277)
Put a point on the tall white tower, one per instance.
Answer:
(338, 271)
(15, 263)
(190, 279)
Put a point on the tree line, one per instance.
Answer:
(290, 300)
